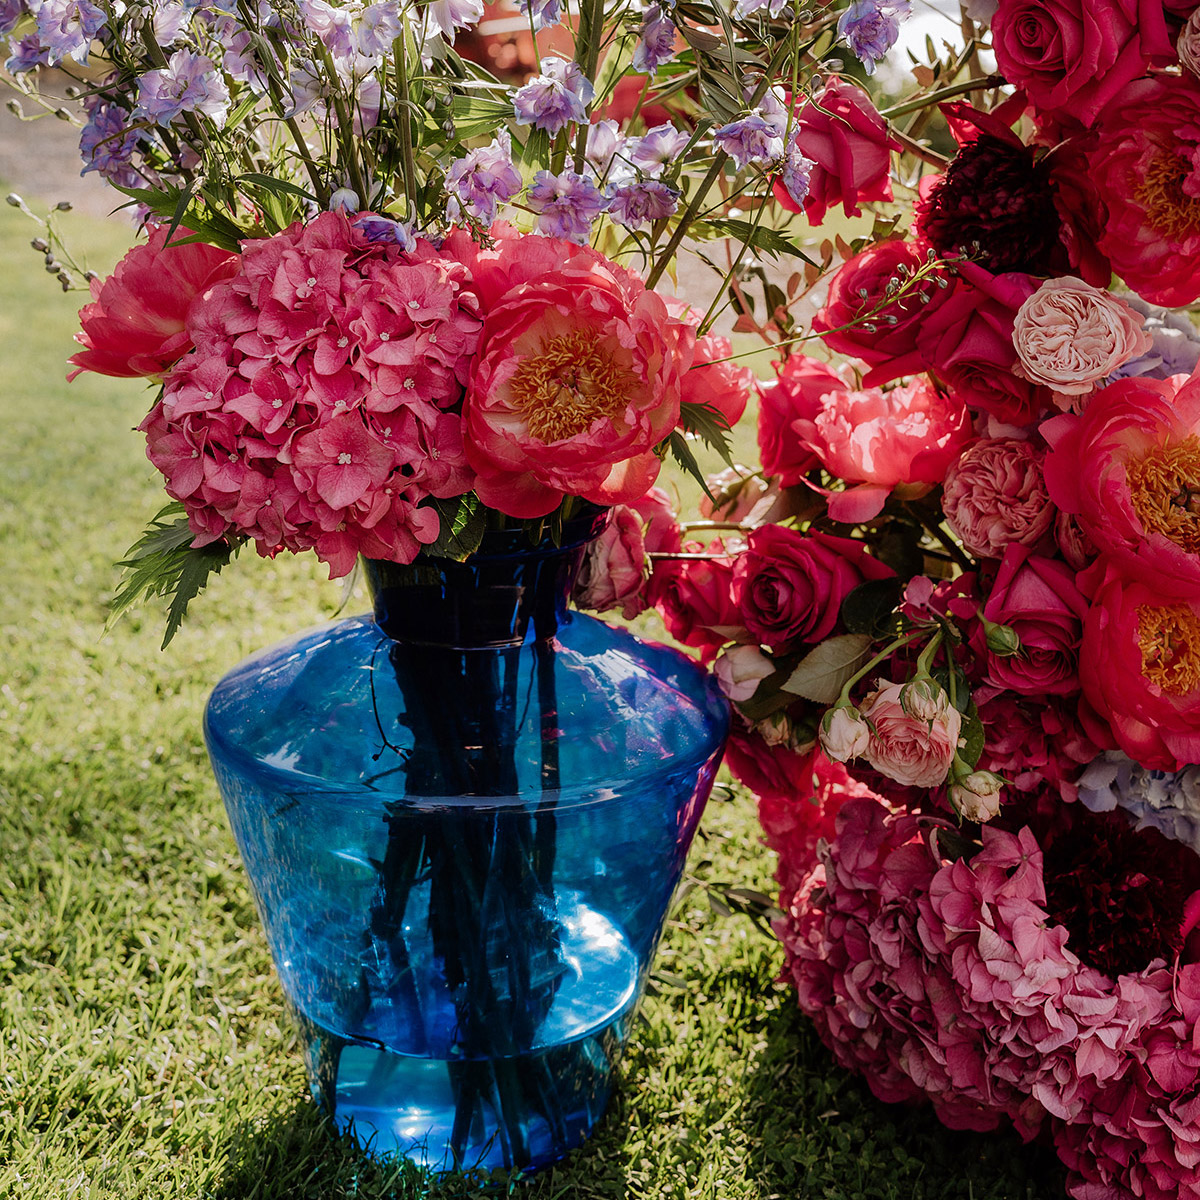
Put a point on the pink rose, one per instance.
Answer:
(1140, 668)
(614, 568)
(1143, 184)
(995, 496)
(789, 586)
(842, 132)
(1072, 57)
(136, 324)
(578, 377)
(844, 734)
(877, 441)
(1188, 45)
(859, 319)
(1039, 599)
(714, 379)
(1070, 336)
(740, 496)
(694, 597)
(913, 751)
(740, 669)
(796, 392)
(1126, 469)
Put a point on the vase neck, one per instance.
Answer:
(507, 593)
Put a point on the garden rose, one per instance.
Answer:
(578, 377)
(1070, 336)
(995, 495)
(1038, 598)
(1072, 57)
(796, 391)
(841, 131)
(1140, 667)
(913, 751)
(1143, 182)
(1128, 469)
(860, 320)
(136, 324)
(789, 586)
(877, 441)
(844, 734)
(740, 669)
(1188, 45)
(614, 568)
(976, 797)
(714, 379)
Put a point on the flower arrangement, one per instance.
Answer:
(956, 613)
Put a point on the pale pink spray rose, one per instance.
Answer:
(1188, 46)
(1069, 336)
(844, 734)
(912, 751)
(740, 669)
(614, 568)
(976, 797)
(996, 495)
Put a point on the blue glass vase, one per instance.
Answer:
(463, 820)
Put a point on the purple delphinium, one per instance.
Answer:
(11, 12)
(107, 144)
(25, 54)
(871, 28)
(331, 25)
(188, 83)
(170, 21)
(67, 27)
(656, 40)
(606, 150)
(448, 16)
(377, 27)
(483, 178)
(796, 171)
(743, 8)
(383, 229)
(752, 139)
(566, 205)
(542, 12)
(556, 97)
(657, 147)
(636, 204)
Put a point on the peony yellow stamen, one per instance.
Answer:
(1170, 210)
(1164, 487)
(1169, 637)
(573, 381)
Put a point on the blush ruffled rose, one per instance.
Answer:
(914, 751)
(614, 568)
(995, 495)
(1070, 336)
(578, 377)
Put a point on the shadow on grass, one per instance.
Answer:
(298, 1155)
(816, 1130)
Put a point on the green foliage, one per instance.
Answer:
(464, 521)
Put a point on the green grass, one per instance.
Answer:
(144, 1051)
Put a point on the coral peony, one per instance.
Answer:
(800, 384)
(136, 324)
(841, 131)
(578, 377)
(714, 378)
(995, 496)
(879, 441)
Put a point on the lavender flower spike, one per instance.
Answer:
(796, 172)
(484, 177)
(656, 44)
(556, 97)
(189, 83)
(542, 12)
(567, 205)
(871, 28)
(635, 205)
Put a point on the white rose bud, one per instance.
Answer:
(844, 734)
(976, 797)
(925, 700)
(740, 669)
(775, 730)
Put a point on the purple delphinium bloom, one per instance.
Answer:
(1175, 348)
(332, 25)
(656, 41)
(636, 204)
(483, 178)
(26, 53)
(377, 27)
(383, 229)
(606, 149)
(871, 28)
(743, 8)
(796, 171)
(107, 144)
(566, 205)
(659, 146)
(447, 16)
(752, 139)
(189, 83)
(1168, 801)
(11, 12)
(67, 27)
(170, 21)
(556, 97)
(542, 12)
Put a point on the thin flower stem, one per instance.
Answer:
(946, 93)
(940, 536)
(883, 655)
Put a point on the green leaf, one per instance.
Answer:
(709, 424)
(270, 184)
(971, 738)
(536, 150)
(770, 241)
(871, 607)
(824, 670)
(196, 565)
(682, 452)
(463, 521)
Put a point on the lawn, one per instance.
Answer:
(144, 1049)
